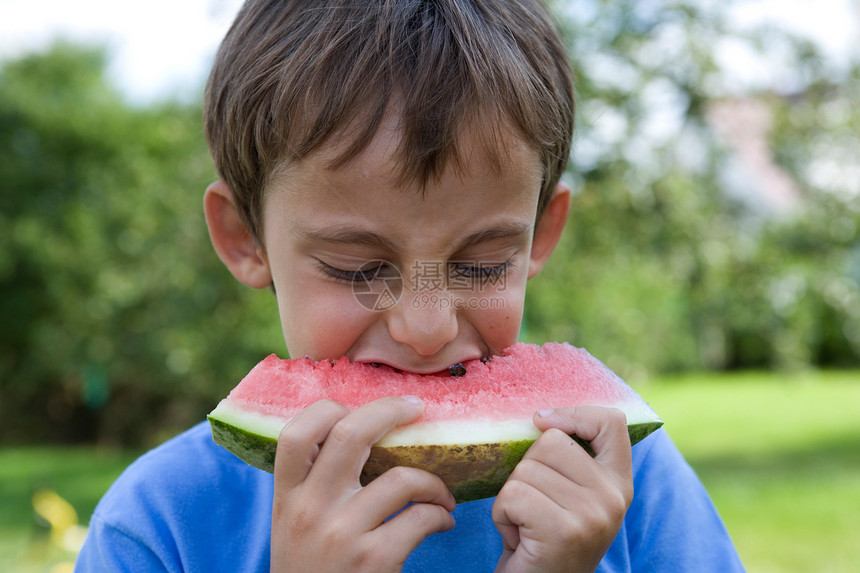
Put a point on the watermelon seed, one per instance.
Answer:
(486, 359)
(457, 370)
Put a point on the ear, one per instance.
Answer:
(232, 240)
(549, 228)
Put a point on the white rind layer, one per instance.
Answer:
(442, 433)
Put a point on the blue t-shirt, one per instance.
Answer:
(190, 505)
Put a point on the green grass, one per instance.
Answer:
(80, 475)
(779, 454)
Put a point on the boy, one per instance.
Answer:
(360, 139)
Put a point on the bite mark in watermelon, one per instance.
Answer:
(475, 428)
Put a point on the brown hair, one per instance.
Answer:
(291, 73)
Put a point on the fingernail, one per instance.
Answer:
(545, 413)
(412, 399)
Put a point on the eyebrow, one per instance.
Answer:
(349, 235)
(499, 231)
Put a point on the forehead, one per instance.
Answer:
(482, 148)
(488, 188)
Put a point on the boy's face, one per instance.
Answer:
(417, 279)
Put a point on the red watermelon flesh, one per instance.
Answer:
(474, 428)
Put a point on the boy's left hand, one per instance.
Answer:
(560, 509)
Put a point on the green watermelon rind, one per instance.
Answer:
(252, 448)
(498, 460)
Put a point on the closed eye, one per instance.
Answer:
(367, 272)
(481, 270)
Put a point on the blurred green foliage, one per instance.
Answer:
(669, 262)
(118, 318)
(120, 324)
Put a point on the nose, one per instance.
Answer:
(424, 321)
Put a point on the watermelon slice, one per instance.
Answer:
(477, 420)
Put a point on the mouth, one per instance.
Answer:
(456, 369)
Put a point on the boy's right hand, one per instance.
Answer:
(323, 519)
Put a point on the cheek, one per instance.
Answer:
(319, 321)
(499, 317)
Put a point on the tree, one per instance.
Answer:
(118, 317)
(665, 266)
(120, 323)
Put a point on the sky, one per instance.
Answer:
(163, 48)
(159, 48)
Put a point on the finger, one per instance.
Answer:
(562, 472)
(563, 459)
(402, 534)
(300, 441)
(547, 533)
(396, 488)
(348, 443)
(520, 511)
(510, 536)
(604, 428)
